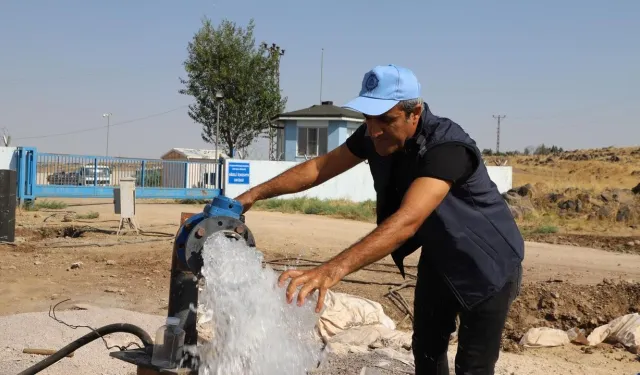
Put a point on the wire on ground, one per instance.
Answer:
(52, 315)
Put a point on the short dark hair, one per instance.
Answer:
(409, 105)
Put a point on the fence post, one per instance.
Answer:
(22, 165)
(186, 174)
(95, 172)
(26, 163)
(220, 175)
(142, 173)
(33, 165)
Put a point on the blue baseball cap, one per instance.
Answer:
(383, 87)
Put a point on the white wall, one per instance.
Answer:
(8, 158)
(355, 185)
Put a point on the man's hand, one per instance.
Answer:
(321, 278)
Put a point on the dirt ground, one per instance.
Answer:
(133, 274)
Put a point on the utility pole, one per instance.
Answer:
(321, 72)
(499, 117)
(219, 97)
(275, 52)
(108, 116)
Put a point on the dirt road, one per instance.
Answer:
(322, 237)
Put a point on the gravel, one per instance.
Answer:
(38, 330)
(508, 364)
(353, 363)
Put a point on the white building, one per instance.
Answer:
(200, 174)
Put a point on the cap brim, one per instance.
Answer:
(370, 106)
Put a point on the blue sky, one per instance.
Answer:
(563, 72)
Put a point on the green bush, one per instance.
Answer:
(152, 178)
(363, 211)
(45, 204)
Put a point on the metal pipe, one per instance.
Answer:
(183, 299)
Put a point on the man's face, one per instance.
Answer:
(390, 130)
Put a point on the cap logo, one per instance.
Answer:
(371, 82)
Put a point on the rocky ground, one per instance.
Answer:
(598, 184)
(605, 154)
(618, 205)
(608, 220)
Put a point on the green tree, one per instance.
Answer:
(487, 152)
(227, 60)
(545, 150)
(152, 178)
(529, 150)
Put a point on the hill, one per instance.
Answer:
(586, 197)
(596, 169)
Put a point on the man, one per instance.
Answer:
(433, 191)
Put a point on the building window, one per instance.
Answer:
(312, 141)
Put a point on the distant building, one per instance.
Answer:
(192, 154)
(314, 131)
(201, 172)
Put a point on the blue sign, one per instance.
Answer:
(238, 173)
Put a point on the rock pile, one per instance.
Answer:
(620, 205)
(607, 155)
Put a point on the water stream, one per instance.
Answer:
(255, 332)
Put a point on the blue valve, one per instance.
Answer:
(223, 206)
(219, 206)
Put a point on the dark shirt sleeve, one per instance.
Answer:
(356, 143)
(448, 162)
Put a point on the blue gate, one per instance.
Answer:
(84, 176)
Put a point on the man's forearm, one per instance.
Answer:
(382, 241)
(299, 178)
(420, 200)
(306, 175)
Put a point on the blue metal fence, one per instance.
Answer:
(84, 176)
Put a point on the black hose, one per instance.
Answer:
(84, 340)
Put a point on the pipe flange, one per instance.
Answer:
(206, 228)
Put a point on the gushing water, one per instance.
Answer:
(255, 332)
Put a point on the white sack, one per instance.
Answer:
(373, 336)
(625, 330)
(544, 337)
(343, 311)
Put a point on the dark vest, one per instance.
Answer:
(471, 238)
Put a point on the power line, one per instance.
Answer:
(499, 117)
(102, 127)
(65, 77)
